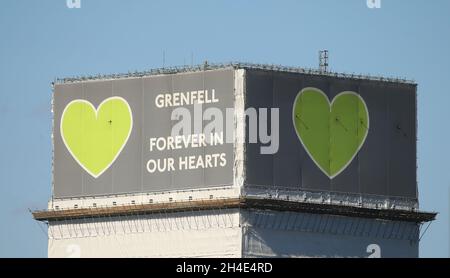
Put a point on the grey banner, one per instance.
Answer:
(385, 164)
(129, 173)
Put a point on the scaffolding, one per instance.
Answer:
(234, 203)
(234, 65)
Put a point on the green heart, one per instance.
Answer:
(93, 137)
(332, 134)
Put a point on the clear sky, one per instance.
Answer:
(41, 40)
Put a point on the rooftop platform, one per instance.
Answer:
(234, 65)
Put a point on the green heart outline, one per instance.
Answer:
(96, 111)
(330, 105)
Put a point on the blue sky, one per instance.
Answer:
(41, 40)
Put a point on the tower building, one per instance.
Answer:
(234, 160)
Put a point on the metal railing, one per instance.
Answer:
(331, 197)
(235, 65)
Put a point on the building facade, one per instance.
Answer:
(234, 160)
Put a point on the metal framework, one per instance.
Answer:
(323, 60)
(133, 223)
(231, 203)
(235, 65)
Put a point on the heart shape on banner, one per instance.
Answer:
(331, 133)
(95, 137)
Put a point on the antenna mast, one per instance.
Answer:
(323, 60)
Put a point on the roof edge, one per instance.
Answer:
(234, 65)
